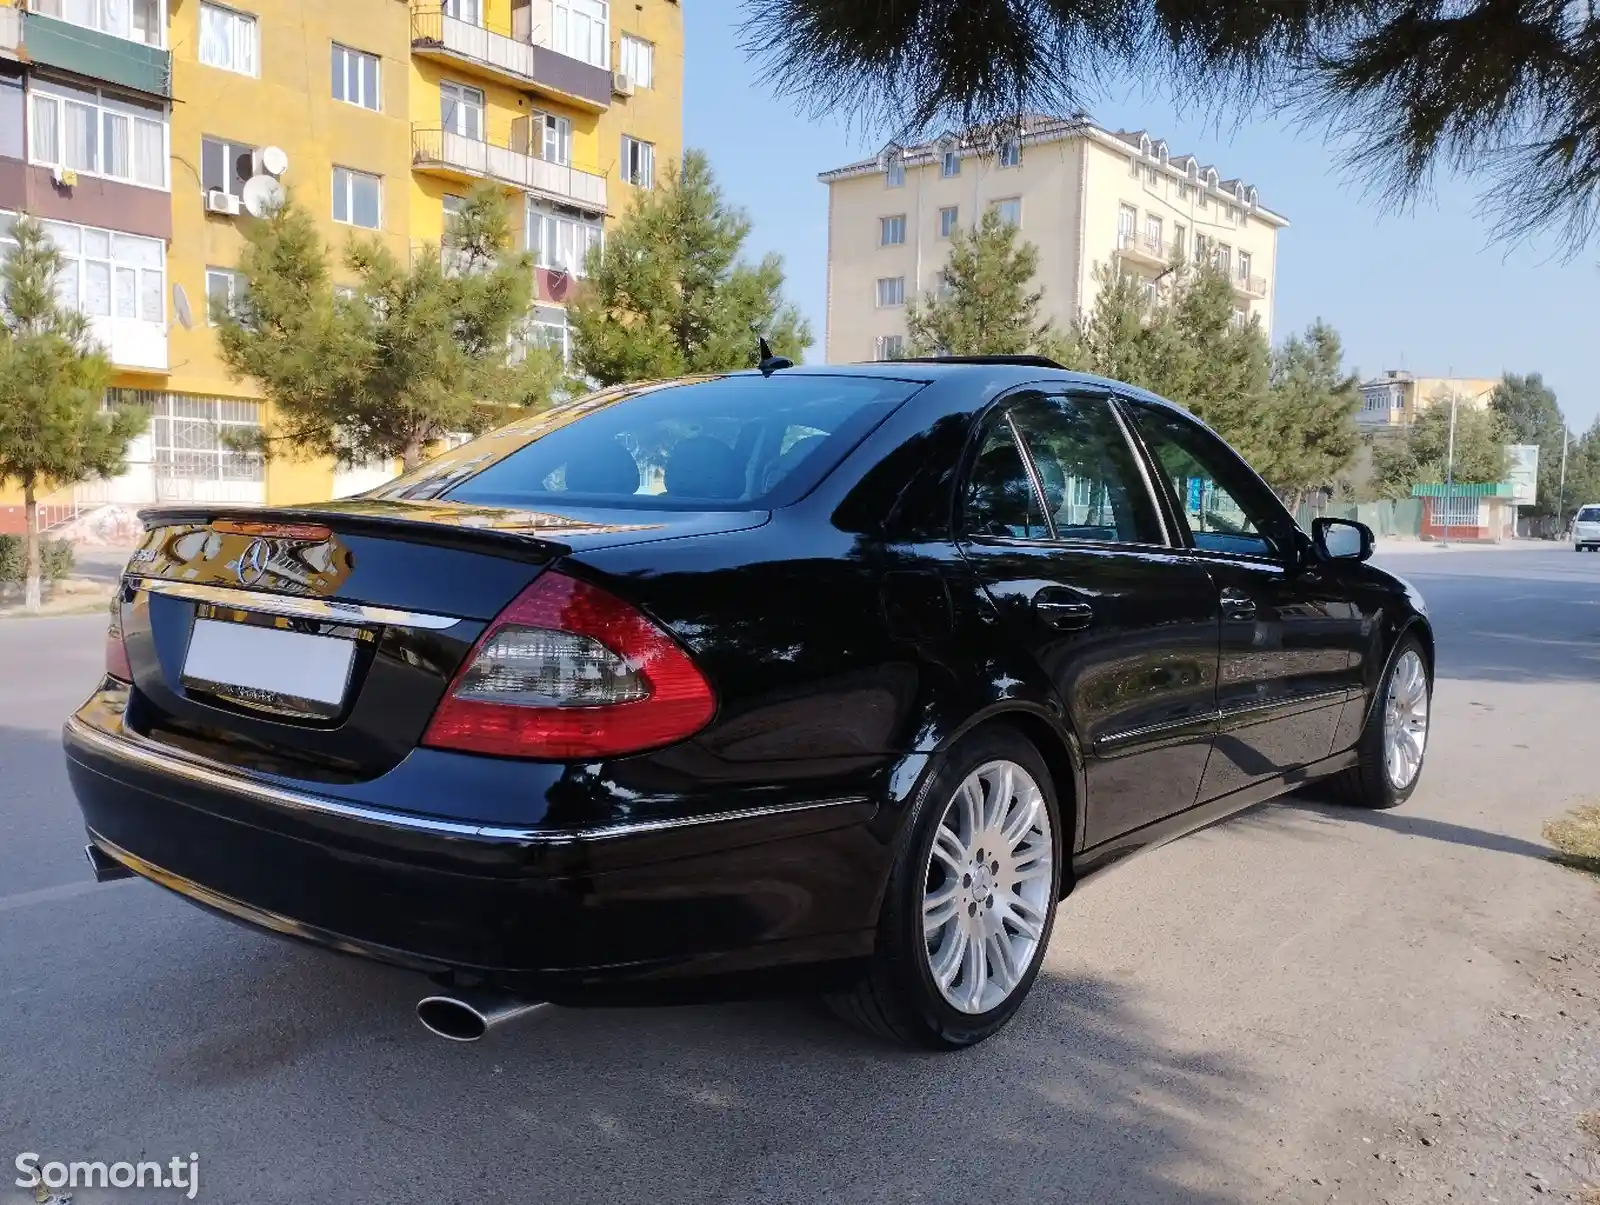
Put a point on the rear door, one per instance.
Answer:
(1290, 628)
(1060, 527)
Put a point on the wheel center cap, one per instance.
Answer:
(982, 882)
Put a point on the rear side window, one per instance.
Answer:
(728, 443)
(1589, 514)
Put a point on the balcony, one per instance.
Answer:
(1142, 249)
(1250, 286)
(457, 157)
(525, 61)
(133, 345)
(49, 42)
(10, 32)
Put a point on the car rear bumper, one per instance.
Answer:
(564, 912)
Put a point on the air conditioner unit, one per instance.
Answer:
(218, 201)
(621, 84)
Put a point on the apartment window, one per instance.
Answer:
(561, 240)
(135, 20)
(549, 330)
(638, 60)
(1011, 153)
(1202, 247)
(950, 164)
(225, 166)
(225, 290)
(1244, 265)
(1185, 190)
(941, 284)
(199, 438)
(895, 174)
(1205, 200)
(228, 39)
(106, 274)
(889, 347)
(470, 11)
(97, 132)
(1152, 232)
(892, 231)
(1224, 258)
(891, 291)
(638, 162)
(582, 30)
(461, 110)
(355, 78)
(1151, 177)
(357, 198)
(554, 136)
(1010, 210)
(1127, 221)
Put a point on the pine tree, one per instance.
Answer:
(669, 295)
(986, 307)
(54, 430)
(1314, 404)
(410, 354)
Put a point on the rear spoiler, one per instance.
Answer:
(516, 535)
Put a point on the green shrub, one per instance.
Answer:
(56, 559)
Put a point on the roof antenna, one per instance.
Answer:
(769, 362)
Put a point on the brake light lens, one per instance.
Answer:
(117, 665)
(570, 672)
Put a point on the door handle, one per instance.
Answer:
(1236, 604)
(1058, 613)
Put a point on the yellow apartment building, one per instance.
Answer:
(1395, 399)
(377, 115)
(1084, 196)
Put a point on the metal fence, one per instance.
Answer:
(1392, 520)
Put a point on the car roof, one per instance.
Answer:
(1001, 372)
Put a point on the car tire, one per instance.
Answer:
(1373, 782)
(901, 996)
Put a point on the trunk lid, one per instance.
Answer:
(315, 642)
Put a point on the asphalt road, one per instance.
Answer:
(1304, 1004)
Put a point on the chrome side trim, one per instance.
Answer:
(1250, 712)
(1200, 723)
(293, 605)
(164, 761)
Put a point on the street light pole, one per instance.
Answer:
(1449, 471)
(1561, 494)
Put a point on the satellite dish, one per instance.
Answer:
(274, 160)
(262, 195)
(180, 307)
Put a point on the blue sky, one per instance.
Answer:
(1429, 290)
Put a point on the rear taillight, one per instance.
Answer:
(569, 672)
(116, 650)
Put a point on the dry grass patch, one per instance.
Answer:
(1588, 1195)
(1576, 837)
(1589, 1123)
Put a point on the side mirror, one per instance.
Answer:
(1342, 539)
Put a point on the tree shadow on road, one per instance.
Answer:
(265, 1055)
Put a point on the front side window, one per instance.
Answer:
(98, 132)
(357, 198)
(638, 162)
(461, 110)
(225, 166)
(582, 30)
(730, 443)
(638, 61)
(228, 39)
(1092, 487)
(1000, 499)
(355, 77)
(892, 231)
(1228, 509)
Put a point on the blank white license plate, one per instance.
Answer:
(267, 662)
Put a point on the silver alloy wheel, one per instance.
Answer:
(987, 890)
(1405, 720)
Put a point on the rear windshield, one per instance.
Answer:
(726, 443)
(1589, 514)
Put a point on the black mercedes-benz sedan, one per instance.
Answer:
(831, 679)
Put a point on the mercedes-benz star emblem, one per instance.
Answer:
(252, 566)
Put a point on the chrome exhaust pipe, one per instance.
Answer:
(106, 868)
(467, 1014)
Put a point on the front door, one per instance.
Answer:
(1290, 626)
(1062, 532)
